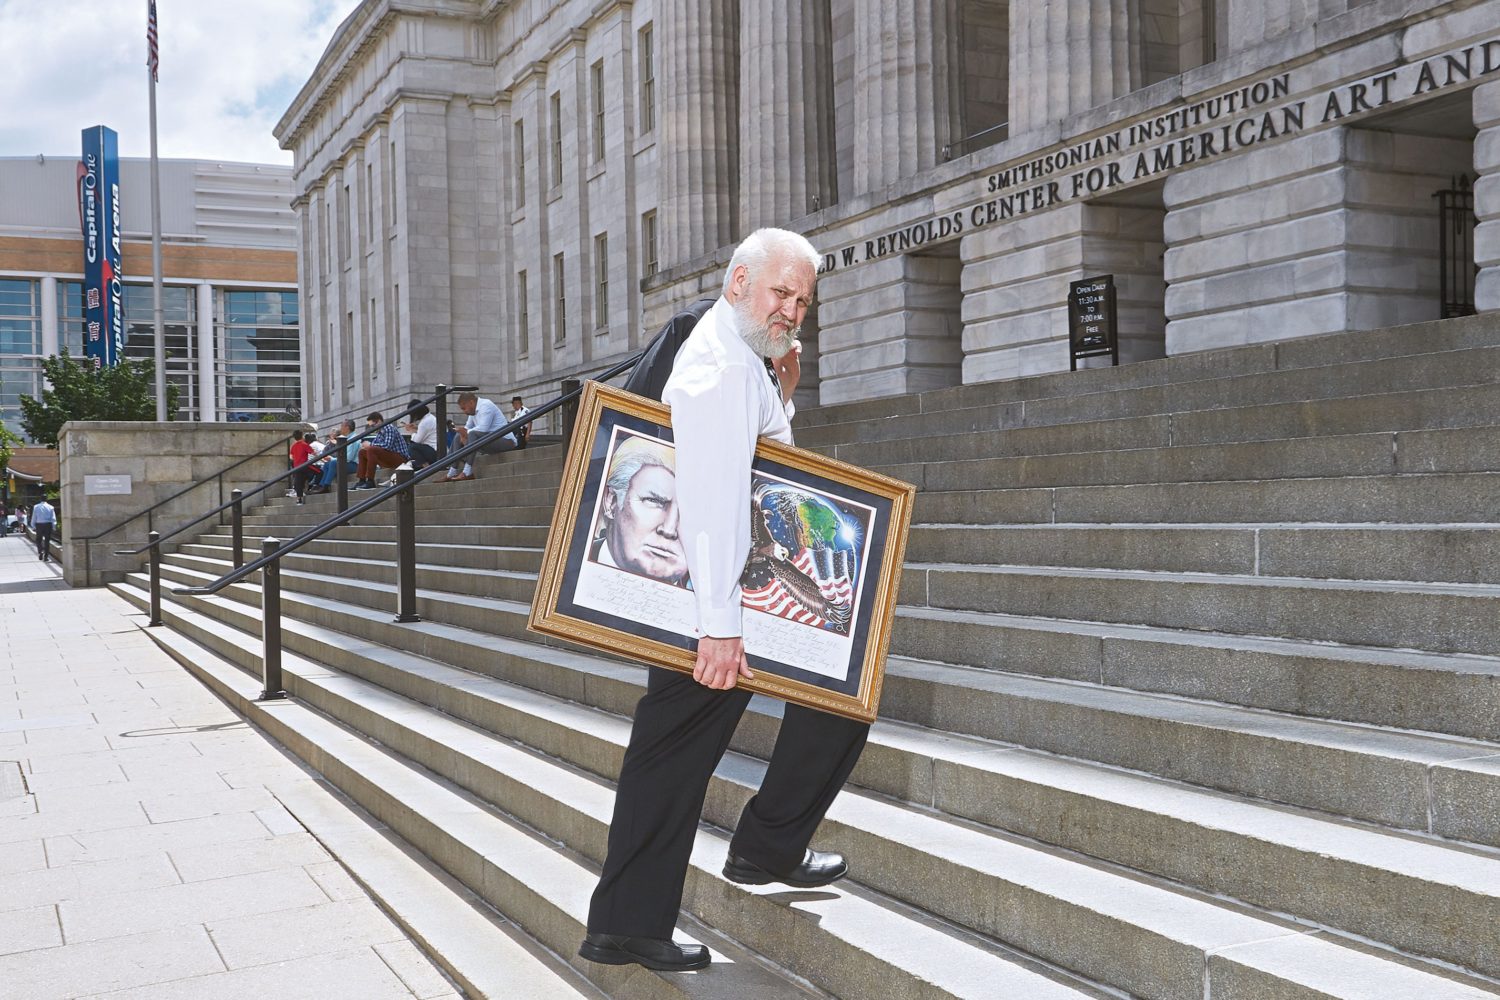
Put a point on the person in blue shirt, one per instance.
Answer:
(381, 449)
(43, 520)
(484, 420)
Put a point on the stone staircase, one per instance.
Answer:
(1193, 694)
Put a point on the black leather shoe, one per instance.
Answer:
(817, 868)
(660, 954)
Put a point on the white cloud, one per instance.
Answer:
(229, 70)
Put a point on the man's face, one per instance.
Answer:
(468, 406)
(643, 526)
(771, 306)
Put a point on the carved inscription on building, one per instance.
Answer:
(1150, 148)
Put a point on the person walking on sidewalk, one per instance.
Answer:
(43, 520)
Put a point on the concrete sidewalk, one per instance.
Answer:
(141, 852)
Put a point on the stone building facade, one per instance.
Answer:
(514, 192)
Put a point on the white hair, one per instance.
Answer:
(760, 246)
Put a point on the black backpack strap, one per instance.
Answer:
(649, 377)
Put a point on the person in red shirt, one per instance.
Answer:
(302, 451)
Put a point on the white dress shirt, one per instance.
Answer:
(722, 399)
(426, 432)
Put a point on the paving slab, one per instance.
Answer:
(143, 855)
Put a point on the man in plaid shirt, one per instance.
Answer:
(382, 449)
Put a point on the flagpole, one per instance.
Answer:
(156, 311)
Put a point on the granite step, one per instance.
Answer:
(1441, 785)
(1405, 342)
(1434, 553)
(878, 832)
(1408, 452)
(1406, 498)
(533, 842)
(1451, 389)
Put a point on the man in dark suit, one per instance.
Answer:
(731, 381)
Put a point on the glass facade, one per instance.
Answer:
(259, 365)
(179, 315)
(20, 346)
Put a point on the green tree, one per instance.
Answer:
(81, 392)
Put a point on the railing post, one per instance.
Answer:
(237, 527)
(343, 473)
(406, 551)
(442, 421)
(270, 623)
(153, 560)
(570, 408)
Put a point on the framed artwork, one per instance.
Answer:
(819, 586)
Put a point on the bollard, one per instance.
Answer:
(153, 559)
(570, 408)
(270, 623)
(442, 421)
(406, 551)
(237, 526)
(343, 473)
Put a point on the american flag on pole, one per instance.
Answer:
(152, 59)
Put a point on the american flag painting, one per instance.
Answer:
(804, 557)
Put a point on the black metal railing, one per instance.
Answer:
(978, 140)
(150, 512)
(235, 505)
(1456, 267)
(273, 550)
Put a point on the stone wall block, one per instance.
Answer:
(1016, 234)
(1255, 168)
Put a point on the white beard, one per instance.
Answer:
(759, 337)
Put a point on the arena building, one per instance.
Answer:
(229, 269)
(512, 192)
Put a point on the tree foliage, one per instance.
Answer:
(79, 391)
(7, 441)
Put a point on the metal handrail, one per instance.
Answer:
(226, 505)
(948, 150)
(403, 485)
(180, 493)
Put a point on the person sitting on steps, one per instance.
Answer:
(484, 420)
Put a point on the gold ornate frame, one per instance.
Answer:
(563, 549)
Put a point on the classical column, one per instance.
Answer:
(208, 393)
(908, 88)
(1487, 197)
(786, 101)
(1253, 23)
(699, 159)
(1067, 56)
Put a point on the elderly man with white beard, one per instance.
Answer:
(731, 381)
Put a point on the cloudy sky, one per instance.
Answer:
(229, 70)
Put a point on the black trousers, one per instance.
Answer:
(681, 730)
(43, 539)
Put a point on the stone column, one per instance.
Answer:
(1067, 56)
(208, 394)
(786, 101)
(1253, 23)
(699, 158)
(908, 87)
(1487, 197)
